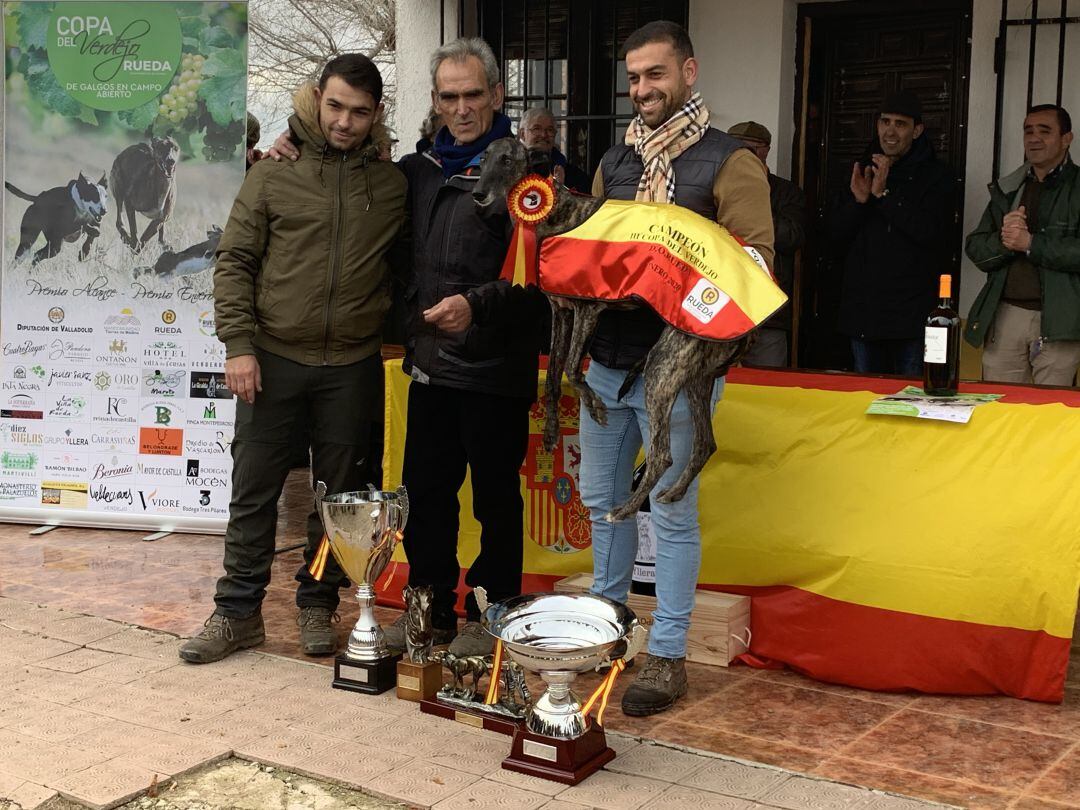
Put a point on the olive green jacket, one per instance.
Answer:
(300, 267)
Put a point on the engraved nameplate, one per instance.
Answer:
(469, 719)
(531, 748)
(408, 682)
(354, 673)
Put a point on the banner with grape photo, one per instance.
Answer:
(124, 146)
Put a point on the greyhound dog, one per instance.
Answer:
(187, 262)
(144, 180)
(63, 214)
(677, 362)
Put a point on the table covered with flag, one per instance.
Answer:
(880, 552)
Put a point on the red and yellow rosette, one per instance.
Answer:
(529, 202)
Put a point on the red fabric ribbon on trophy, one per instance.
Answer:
(529, 202)
(698, 277)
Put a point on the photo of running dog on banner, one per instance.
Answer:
(588, 254)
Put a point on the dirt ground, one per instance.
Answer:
(236, 784)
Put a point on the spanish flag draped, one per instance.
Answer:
(694, 273)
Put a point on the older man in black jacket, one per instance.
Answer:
(893, 221)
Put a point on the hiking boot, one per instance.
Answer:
(660, 683)
(317, 635)
(472, 640)
(395, 634)
(222, 636)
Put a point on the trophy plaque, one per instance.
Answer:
(558, 635)
(418, 676)
(362, 529)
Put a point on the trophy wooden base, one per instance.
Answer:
(566, 761)
(418, 682)
(476, 719)
(369, 677)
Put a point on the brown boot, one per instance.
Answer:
(222, 636)
(661, 682)
(317, 635)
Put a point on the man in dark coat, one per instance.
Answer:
(537, 131)
(772, 345)
(893, 222)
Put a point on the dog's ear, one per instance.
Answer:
(82, 178)
(539, 162)
(104, 181)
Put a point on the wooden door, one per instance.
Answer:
(852, 56)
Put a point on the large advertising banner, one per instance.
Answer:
(124, 130)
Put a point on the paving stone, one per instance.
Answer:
(30, 796)
(734, 778)
(484, 794)
(658, 762)
(614, 791)
(798, 793)
(352, 764)
(108, 784)
(77, 661)
(677, 797)
(422, 783)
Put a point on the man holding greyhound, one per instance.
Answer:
(670, 154)
(300, 294)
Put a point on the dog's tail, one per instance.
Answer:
(631, 377)
(18, 193)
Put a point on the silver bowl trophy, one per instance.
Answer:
(362, 528)
(557, 636)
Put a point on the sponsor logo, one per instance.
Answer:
(122, 323)
(67, 406)
(208, 356)
(74, 436)
(116, 381)
(56, 314)
(157, 383)
(114, 409)
(111, 468)
(204, 501)
(117, 351)
(26, 349)
(163, 468)
(168, 317)
(211, 412)
(18, 490)
(209, 385)
(705, 300)
(200, 474)
(70, 350)
(156, 441)
(115, 439)
(34, 327)
(25, 379)
(12, 433)
(70, 379)
(207, 442)
(21, 406)
(111, 498)
(206, 323)
(19, 463)
(164, 354)
(67, 494)
(159, 500)
(66, 465)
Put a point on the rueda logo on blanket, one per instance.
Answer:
(705, 300)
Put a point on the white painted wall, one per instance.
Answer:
(417, 36)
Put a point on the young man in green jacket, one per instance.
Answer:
(1027, 316)
(300, 294)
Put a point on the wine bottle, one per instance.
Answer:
(941, 345)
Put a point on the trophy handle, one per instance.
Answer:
(636, 641)
(480, 594)
(320, 490)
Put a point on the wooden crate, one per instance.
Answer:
(719, 625)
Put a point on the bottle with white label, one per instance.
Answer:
(941, 346)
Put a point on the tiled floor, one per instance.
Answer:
(977, 752)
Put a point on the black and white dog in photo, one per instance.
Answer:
(62, 214)
(144, 180)
(186, 262)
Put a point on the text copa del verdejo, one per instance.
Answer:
(75, 32)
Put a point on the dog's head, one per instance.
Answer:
(91, 199)
(213, 236)
(504, 163)
(166, 152)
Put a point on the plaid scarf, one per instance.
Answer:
(658, 147)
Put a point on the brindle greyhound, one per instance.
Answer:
(677, 362)
(144, 180)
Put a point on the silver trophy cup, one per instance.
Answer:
(558, 635)
(363, 528)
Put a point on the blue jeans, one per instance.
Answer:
(900, 356)
(607, 467)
